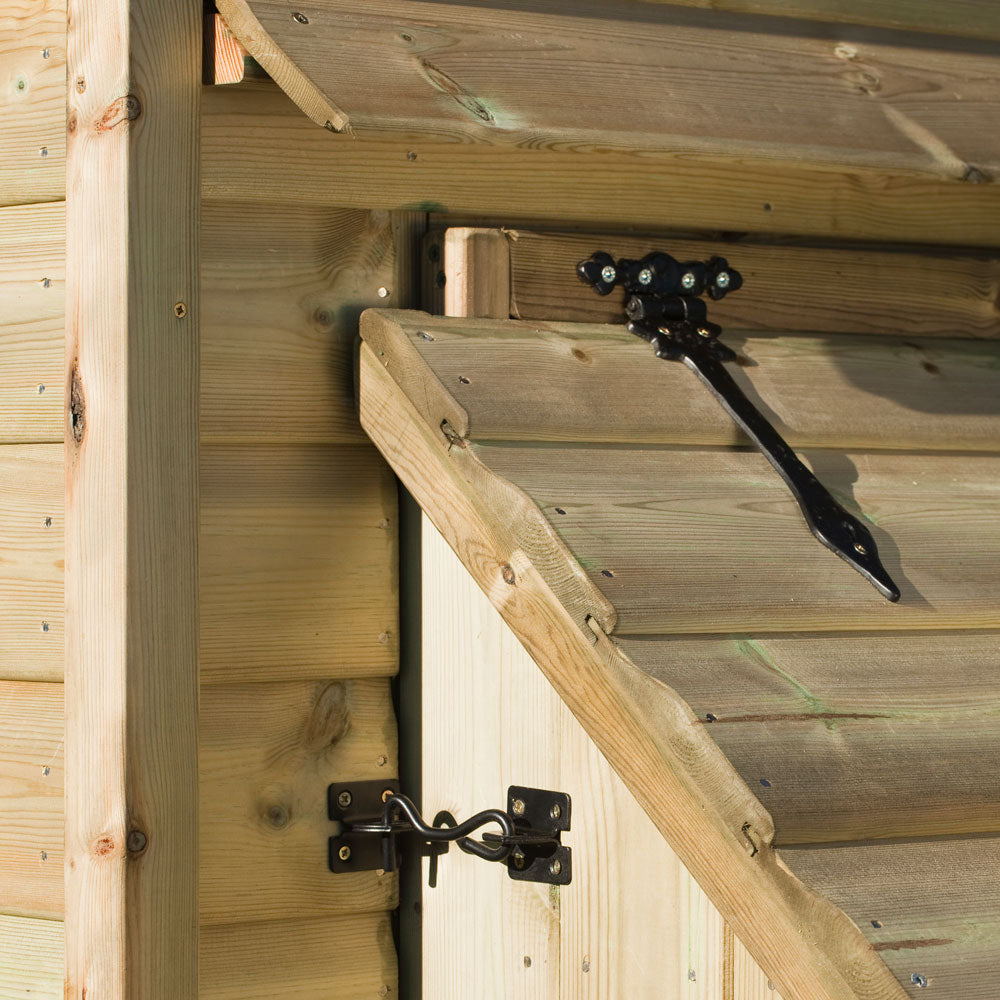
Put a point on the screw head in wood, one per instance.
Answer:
(918, 980)
(556, 811)
(688, 280)
(386, 794)
(180, 310)
(301, 18)
(555, 866)
(519, 859)
(344, 799)
(645, 276)
(608, 274)
(702, 332)
(722, 279)
(517, 807)
(344, 853)
(383, 292)
(861, 549)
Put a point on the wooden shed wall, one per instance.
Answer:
(298, 564)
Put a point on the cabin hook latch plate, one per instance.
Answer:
(374, 817)
(663, 305)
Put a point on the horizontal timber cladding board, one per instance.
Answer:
(635, 76)
(32, 321)
(675, 770)
(283, 287)
(547, 381)
(350, 957)
(31, 565)
(33, 101)
(285, 158)
(930, 908)
(267, 754)
(689, 541)
(803, 288)
(298, 562)
(31, 958)
(31, 799)
(971, 18)
(849, 737)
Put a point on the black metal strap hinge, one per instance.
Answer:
(374, 817)
(663, 306)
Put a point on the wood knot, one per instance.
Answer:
(136, 841)
(103, 846)
(277, 816)
(330, 720)
(77, 404)
(120, 110)
(508, 574)
(582, 356)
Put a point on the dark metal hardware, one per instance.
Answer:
(374, 816)
(663, 306)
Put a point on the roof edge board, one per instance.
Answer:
(250, 33)
(679, 776)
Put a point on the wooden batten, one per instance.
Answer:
(132, 494)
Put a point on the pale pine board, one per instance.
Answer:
(794, 287)
(33, 101)
(32, 637)
(350, 957)
(32, 321)
(897, 730)
(930, 908)
(31, 799)
(555, 381)
(437, 71)
(693, 541)
(632, 921)
(31, 959)
(284, 158)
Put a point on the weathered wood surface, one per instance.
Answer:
(32, 322)
(31, 959)
(794, 287)
(895, 730)
(697, 801)
(298, 563)
(283, 158)
(32, 636)
(555, 381)
(633, 77)
(693, 541)
(31, 800)
(350, 958)
(33, 101)
(132, 499)
(930, 909)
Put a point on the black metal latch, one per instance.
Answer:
(374, 816)
(663, 306)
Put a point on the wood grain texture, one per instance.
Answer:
(31, 959)
(225, 58)
(32, 322)
(31, 800)
(32, 635)
(706, 812)
(298, 563)
(132, 499)
(929, 908)
(283, 158)
(33, 101)
(689, 541)
(794, 287)
(623, 926)
(553, 381)
(895, 729)
(477, 273)
(472, 73)
(349, 957)
(268, 752)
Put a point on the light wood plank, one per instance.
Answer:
(477, 273)
(349, 957)
(33, 101)
(897, 730)
(298, 563)
(689, 541)
(750, 982)
(32, 635)
(794, 287)
(682, 781)
(31, 799)
(284, 158)
(552, 381)
(132, 499)
(472, 72)
(32, 322)
(268, 752)
(929, 908)
(31, 959)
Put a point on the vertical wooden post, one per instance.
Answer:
(134, 78)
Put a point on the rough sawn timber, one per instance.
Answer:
(648, 733)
